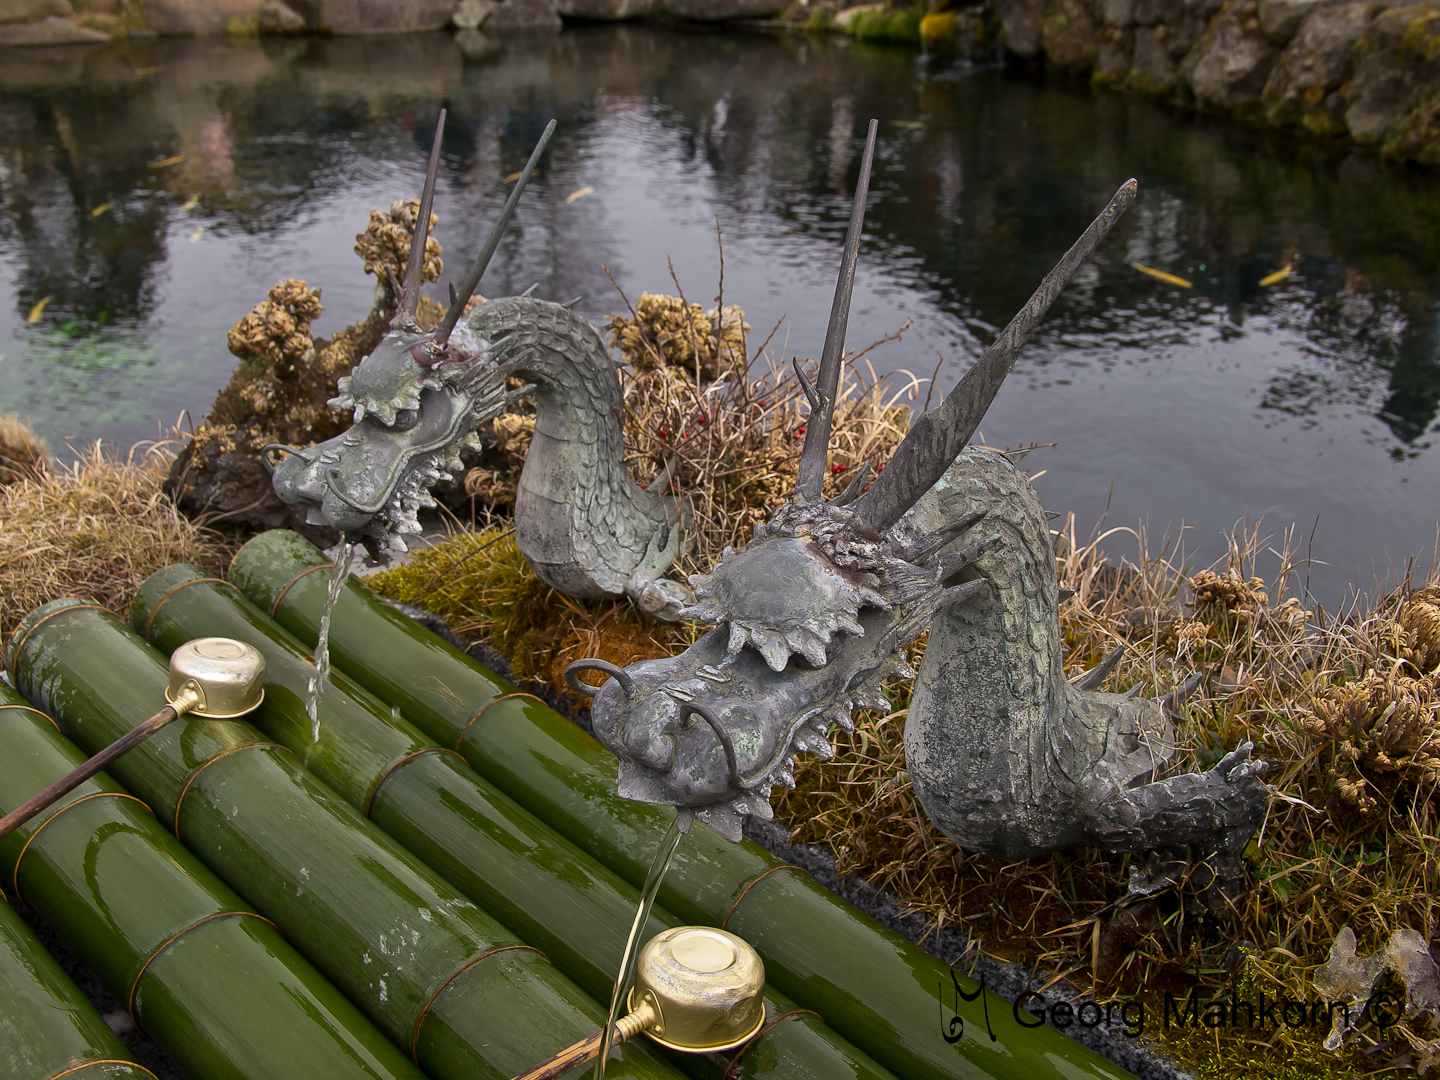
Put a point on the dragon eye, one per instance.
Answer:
(405, 419)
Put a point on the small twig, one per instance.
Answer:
(720, 293)
(768, 336)
(639, 326)
(690, 317)
(933, 377)
(464, 559)
(894, 335)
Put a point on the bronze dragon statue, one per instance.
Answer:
(1006, 756)
(582, 523)
(815, 612)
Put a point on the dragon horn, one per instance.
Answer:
(817, 433)
(938, 436)
(472, 279)
(410, 287)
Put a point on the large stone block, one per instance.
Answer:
(1281, 19)
(193, 17)
(1397, 62)
(607, 9)
(50, 31)
(1158, 12)
(1069, 36)
(1117, 14)
(372, 16)
(721, 10)
(1194, 19)
(1152, 72)
(1228, 66)
(1117, 49)
(1304, 85)
(1020, 25)
(523, 15)
(23, 11)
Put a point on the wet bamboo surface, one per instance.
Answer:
(891, 998)
(50, 1029)
(551, 894)
(198, 969)
(449, 985)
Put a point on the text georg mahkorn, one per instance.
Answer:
(1261, 1014)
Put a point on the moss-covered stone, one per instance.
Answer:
(1152, 72)
(1417, 136)
(1069, 36)
(1112, 65)
(1228, 67)
(1304, 87)
(1389, 101)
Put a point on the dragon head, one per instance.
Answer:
(815, 612)
(418, 399)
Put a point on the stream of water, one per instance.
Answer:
(151, 192)
(664, 853)
(339, 573)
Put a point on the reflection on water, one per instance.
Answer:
(152, 192)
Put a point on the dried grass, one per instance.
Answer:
(1335, 707)
(22, 452)
(97, 528)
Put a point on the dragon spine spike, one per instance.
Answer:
(817, 432)
(414, 269)
(472, 279)
(937, 437)
(1092, 679)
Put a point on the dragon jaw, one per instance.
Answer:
(415, 410)
(713, 730)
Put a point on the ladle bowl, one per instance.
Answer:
(697, 990)
(214, 678)
(227, 677)
(706, 987)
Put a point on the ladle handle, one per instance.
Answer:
(131, 739)
(570, 1058)
(589, 1049)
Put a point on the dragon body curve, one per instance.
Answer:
(582, 523)
(1008, 757)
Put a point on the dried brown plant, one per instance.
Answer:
(97, 528)
(666, 331)
(22, 452)
(385, 244)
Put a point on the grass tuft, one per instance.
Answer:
(97, 528)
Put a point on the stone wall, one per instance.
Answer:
(1333, 68)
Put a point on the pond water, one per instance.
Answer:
(150, 193)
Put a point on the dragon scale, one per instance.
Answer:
(582, 523)
(1009, 758)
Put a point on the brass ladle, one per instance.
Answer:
(697, 989)
(216, 678)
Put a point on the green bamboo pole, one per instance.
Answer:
(446, 982)
(210, 981)
(889, 997)
(50, 1029)
(498, 854)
